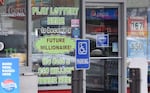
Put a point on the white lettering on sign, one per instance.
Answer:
(137, 26)
(82, 61)
(7, 69)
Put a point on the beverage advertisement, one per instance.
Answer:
(106, 14)
(9, 75)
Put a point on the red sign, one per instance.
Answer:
(137, 27)
(54, 91)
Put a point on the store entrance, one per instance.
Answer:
(103, 28)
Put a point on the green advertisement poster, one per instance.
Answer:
(55, 44)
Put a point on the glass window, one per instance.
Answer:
(55, 28)
(102, 30)
(13, 33)
(137, 32)
(102, 75)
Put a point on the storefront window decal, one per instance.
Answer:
(55, 28)
(55, 44)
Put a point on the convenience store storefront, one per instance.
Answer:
(44, 40)
(138, 36)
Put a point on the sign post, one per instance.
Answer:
(82, 64)
(82, 54)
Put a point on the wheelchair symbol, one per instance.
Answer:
(82, 48)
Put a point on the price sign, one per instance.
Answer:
(137, 27)
(137, 48)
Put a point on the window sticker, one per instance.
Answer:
(102, 40)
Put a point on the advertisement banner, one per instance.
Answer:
(55, 44)
(137, 48)
(137, 27)
(105, 14)
(9, 75)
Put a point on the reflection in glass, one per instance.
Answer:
(102, 75)
(13, 30)
(59, 25)
(102, 23)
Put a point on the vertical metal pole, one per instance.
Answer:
(84, 81)
(124, 67)
(29, 31)
(75, 81)
(78, 81)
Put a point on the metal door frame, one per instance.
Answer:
(120, 4)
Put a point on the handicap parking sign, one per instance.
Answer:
(82, 54)
(82, 48)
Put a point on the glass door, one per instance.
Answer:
(103, 30)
